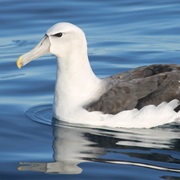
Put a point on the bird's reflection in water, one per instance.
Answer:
(74, 145)
(71, 146)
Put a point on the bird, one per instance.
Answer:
(144, 97)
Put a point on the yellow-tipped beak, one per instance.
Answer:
(19, 62)
(41, 49)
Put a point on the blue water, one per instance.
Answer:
(121, 34)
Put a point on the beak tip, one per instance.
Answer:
(19, 63)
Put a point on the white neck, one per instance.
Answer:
(76, 84)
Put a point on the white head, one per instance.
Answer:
(62, 40)
(65, 38)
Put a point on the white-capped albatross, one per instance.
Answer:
(145, 97)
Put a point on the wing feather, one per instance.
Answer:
(138, 88)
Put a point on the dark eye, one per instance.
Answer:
(58, 34)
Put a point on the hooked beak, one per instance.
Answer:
(41, 49)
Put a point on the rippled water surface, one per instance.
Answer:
(121, 34)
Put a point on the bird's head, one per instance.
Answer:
(62, 40)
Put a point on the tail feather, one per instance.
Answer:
(177, 109)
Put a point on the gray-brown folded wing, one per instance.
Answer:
(138, 88)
